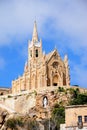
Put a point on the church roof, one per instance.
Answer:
(48, 56)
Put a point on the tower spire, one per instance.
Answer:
(35, 34)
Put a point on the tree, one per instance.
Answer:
(80, 99)
(58, 115)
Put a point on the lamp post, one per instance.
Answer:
(49, 123)
(49, 116)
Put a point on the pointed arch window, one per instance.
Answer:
(30, 53)
(36, 52)
(64, 79)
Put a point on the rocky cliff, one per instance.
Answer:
(32, 109)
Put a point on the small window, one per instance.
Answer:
(54, 84)
(1, 93)
(30, 53)
(79, 119)
(85, 118)
(36, 53)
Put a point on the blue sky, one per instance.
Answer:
(60, 23)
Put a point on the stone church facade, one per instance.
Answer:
(42, 70)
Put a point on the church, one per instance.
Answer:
(42, 70)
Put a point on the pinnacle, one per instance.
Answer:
(66, 58)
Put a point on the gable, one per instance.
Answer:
(54, 59)
(52, 56)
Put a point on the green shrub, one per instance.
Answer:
(81, 99)
(61, 89)
(13, 122)
(35, 92)
(32, 125)
(58, 115)
(9, 96)
(74, 92)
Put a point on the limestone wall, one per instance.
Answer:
(72, 114)
(10, 102)
(24, 103)
(21, 103)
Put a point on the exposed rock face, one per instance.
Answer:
(3, 115)
(33, 107)
(24, 103)
(18, 122)
(53, 97)
(36, 103)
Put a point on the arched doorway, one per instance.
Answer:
(55, 80)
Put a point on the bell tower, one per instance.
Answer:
(35, 46)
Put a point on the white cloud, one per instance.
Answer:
(69, 16)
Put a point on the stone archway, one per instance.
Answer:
(55, 80)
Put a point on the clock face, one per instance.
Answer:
(55, 65)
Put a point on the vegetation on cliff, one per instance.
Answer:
(58, 115)
(14, 122)
(76, 98)
(21, 122)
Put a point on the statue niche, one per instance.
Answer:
(45, 102)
